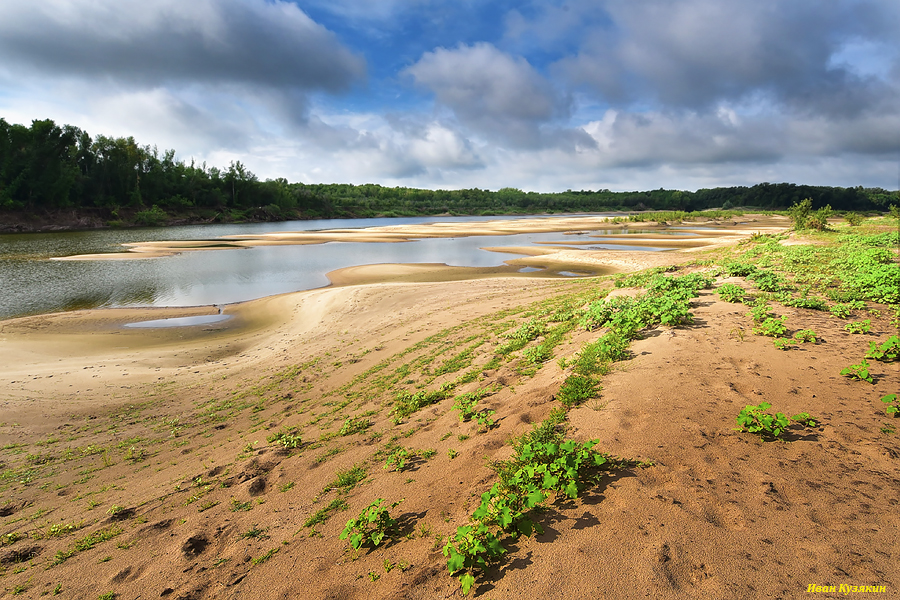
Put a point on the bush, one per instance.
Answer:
(730, 292)
(576, 389)
(372, 525)
(151, 218)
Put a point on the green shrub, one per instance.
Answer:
(755, 419)
(372, 526)
(354, 425)
(799, 213)
(576, 389)
(730, 292)
(888, 351)
(772, 327)
(860, 327)
(406, 403)
(151, 218)
(893, 404)
(860, 372)
(809, 302)
(853, 219)
(289, 438)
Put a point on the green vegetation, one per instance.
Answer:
(398, 459)
(893, 404)
(406, 403)
(888, 351)
(288, 438)
(545, 465)
(804, 217)
(86, 543)
(805, 335)
(730, 292)
(323, 514)
(860, 327)
(466, 405)
(372, 525)
(755, 419)
(346, 480)
(261, 559)
(860, 372)
(354, 425)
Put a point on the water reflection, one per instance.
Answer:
(180, 321)
(31, 284)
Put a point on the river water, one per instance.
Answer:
(31, 283)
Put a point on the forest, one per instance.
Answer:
(54, 176)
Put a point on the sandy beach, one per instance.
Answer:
(139, 461)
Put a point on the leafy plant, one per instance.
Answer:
(893, 404)
(784, 344)
(767, 281)
(372, 525)
(472, 547)
(466, 403)
(398, 458)
(772, 327)
(10, 538)
(888, 351)
(576, 389)
(544, 464)
(730, 292)
(805, 419)
(805, 335)
(289, 438)
(755, 419)
(760, 311)
(406, 403)
(860, 371)
(354, 425)
(810, 302)
(859, 327)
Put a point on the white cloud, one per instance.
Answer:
(490, 91)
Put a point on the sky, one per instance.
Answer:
(540, 95)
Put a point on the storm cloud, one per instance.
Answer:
(272, 44)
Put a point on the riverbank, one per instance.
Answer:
(151, 459)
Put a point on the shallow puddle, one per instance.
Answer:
(181, 321)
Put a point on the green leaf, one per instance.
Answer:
(456, 561)
(466, 581)
(534, 498)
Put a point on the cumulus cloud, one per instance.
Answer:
(248, 42)
(490, 91)
(696, 53)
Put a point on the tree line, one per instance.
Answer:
(48, 170)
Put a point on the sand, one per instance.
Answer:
(159, 438)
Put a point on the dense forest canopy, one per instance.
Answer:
(47, 168)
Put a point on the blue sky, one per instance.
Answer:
(539, 95)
